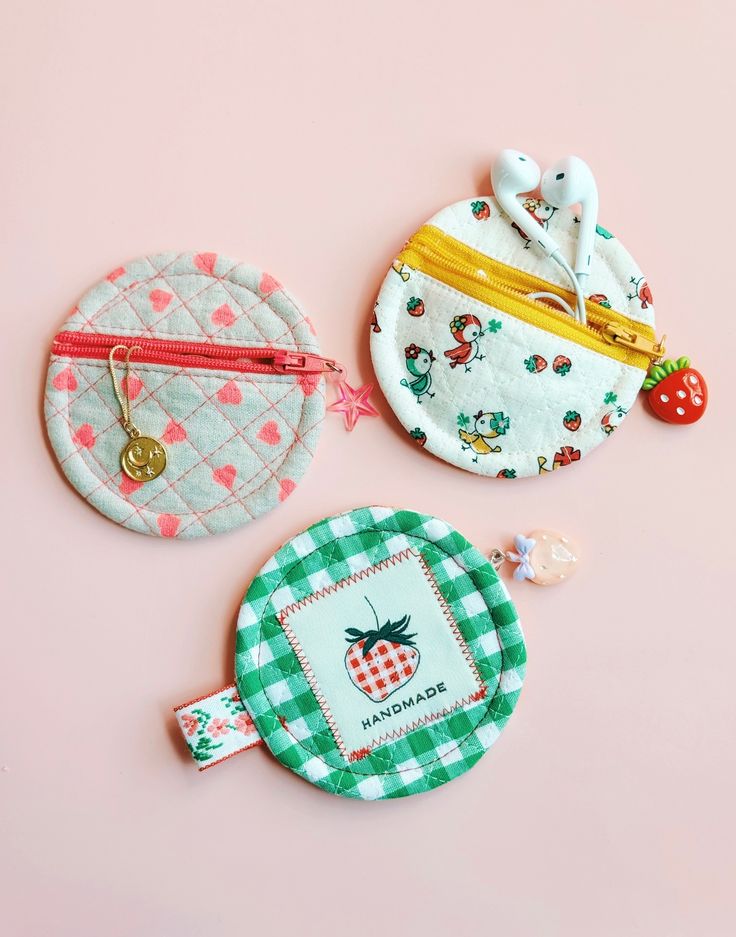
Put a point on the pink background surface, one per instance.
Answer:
(312, 139)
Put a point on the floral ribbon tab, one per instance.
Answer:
(217, 726)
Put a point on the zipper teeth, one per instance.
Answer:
(428, 243)
(164, 351)
(593, 324)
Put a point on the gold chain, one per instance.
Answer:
(124, 402)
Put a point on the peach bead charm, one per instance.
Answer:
(544, 557)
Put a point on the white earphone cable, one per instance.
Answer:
(558, 300)
(581, 316)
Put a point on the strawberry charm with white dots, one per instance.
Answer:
(381, 660)
(677, 392)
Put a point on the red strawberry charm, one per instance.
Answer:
(480, 210)
(571, 420)
(415, 307)
(561, 365)
(381, 660)
(677, 392)
(535, 364)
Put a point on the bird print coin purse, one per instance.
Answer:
(377, 655)
(185, 394)
(477, 353)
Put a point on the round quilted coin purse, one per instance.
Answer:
(480, 361)
(377, 655)
(185, 394)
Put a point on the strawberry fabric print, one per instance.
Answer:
(480, 209)
(507, 473)
(383, 659)
(561, 365)
(572, 421)
(677, 392)
(535, 364)
(466, 330)
(641, 292)
(419, 436)
(415, 306)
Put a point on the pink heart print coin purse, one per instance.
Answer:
(185, 394)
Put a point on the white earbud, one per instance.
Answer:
(570, 182)
(514, 173)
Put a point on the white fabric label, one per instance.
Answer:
(382, 653)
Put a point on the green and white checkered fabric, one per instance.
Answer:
(275, 690)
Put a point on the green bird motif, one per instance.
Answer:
(419, 363)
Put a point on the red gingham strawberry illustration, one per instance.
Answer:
(535, 364)
(480, 209)
(561, 365)
(415, 306)
(571, 420)
(383, 659)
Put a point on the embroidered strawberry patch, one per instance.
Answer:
(381, 660)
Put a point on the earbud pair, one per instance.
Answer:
(569, 182)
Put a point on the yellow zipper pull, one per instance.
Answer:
(616, 334)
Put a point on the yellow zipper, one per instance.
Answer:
(448, 260)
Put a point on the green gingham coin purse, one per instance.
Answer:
(225, 386)
(377, 655)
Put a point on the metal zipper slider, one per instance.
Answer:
(616, 334)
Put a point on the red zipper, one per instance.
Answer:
(260, 360)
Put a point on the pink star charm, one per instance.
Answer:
(353, 403)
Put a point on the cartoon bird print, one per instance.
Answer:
(466, 330)
(540, 211)
(612, 419)
(641, 292)
(487, 426)
(419, 363)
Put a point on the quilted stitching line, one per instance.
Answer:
(107, 480)
(227, 501)
(211, 280)
(271, 468)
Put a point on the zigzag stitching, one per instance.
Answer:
(432, 717)
(312, 680)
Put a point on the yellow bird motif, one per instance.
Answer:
(487, 426)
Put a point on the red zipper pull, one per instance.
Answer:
(290, 362)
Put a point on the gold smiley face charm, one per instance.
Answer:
(143, 459)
